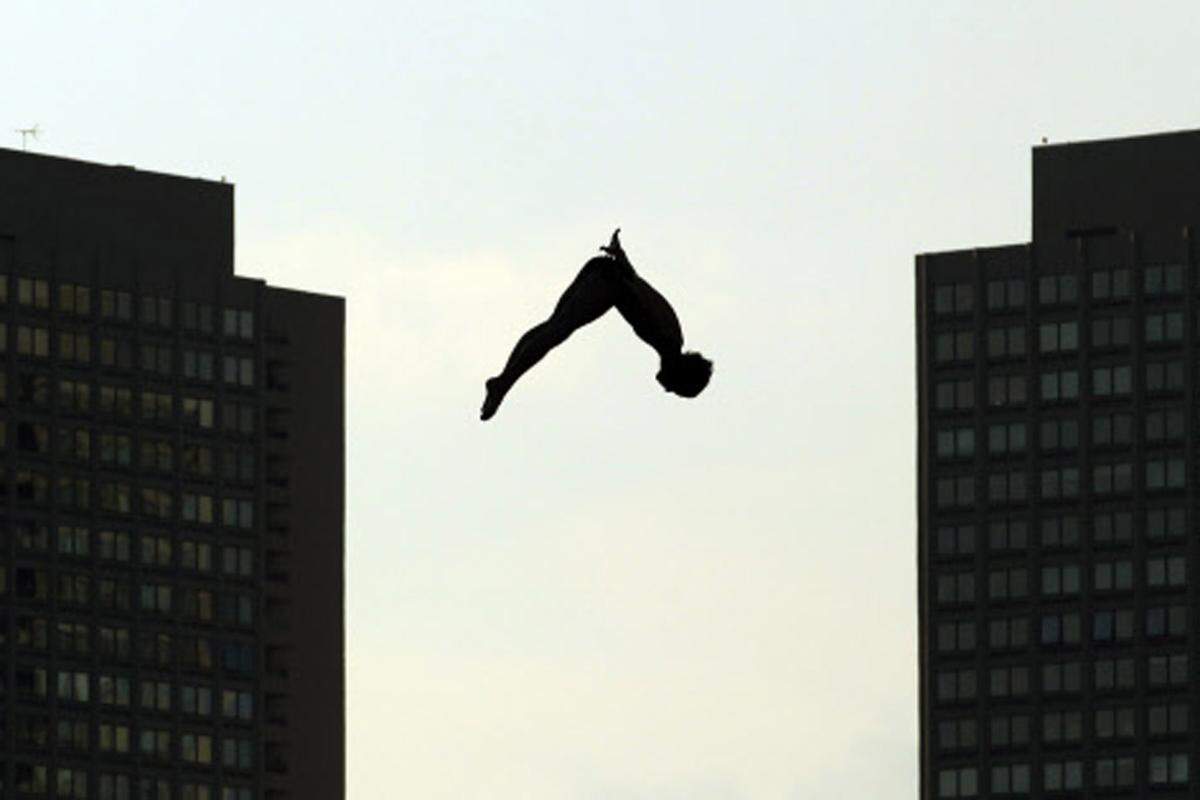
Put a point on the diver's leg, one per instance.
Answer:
(592, 293)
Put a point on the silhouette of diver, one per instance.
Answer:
(607, 281)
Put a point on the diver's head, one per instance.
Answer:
(685, 374)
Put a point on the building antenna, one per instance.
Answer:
(26, 133)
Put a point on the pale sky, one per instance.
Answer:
(608, 592)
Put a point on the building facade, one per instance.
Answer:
(1058, 518)
(171, 481)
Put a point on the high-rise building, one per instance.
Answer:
(171, 492)
(1059, 528)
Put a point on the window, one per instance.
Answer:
(1169, 769)
(197, 459)
(156, 358)
(1114, 773)
(1114, 674)
(951, 395)
(1008, 681)
(196, 700)
(1164, 425)
(116, 305)
(73, 299)
(951, 492)
(198, 365)
(956, 540)
(156, 406)
(1167, 720)
(197, 604)
(154, 743)
(1166, 523)
(1062, 727)
(947, 347)
(72, 638)
(1169, 670)
(33, 341)
(197, 508)
(240, 371)
(1008, 584)
(237, 704)
(1058, 289)
(239, 561)
(1060, 531)
(1009, 730)
(1112, 381)
(1007, 487)
(156, 311)
(156, 649)
(1059, 435)
(1006, 295)
(195, 748)
(1112, 478)
(1008, 633)
(1163, 280)
(198, 412)
(237, 465)
(196, 317)
(196, 556)
(115, 787)
(237, 513)
(73, 686)
(113, 643)
(1060, 629)
(116, 401)
(1006, 437)
(960, 782)
(1165, 473)
(33, 437)
(73, 541)
(114, 545)
(955, 443)
(157, 454)
(1112, 625)
(76, 347)
(1114, 723)
(956, 685)
(1058, 337)
(1007, 342)
(1060, 580)
(1006, 390)
(113, 690)
(113, 737)
(240, 322)
(1113, 576)
(116, 449)
(1112, 527)
(1166, 571)
(33, 292)
(1111, 332)
(955, 636)
(74, 397)
(116, 352)
(958, 734)
(1058, 776)
(1166, 621)
(1060, 385)
(1060, 483)
(1164, 376)
(1164, 328)
(115, 497)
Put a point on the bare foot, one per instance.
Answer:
(495, 394)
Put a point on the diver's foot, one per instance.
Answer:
(495, 394)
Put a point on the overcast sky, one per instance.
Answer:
(609, 592)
